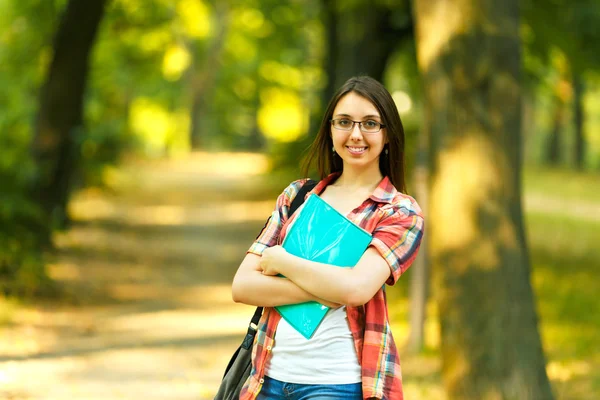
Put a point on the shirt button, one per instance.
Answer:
(262, 381)
(269, 348)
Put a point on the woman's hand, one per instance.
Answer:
(273, 260)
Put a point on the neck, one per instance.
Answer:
(360, 179)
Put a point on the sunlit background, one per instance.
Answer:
(196, 114)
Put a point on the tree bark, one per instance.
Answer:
(554, 139)
(59, 124)
(330, 22)
(527, 122)
(366, 38)
(469, 58)
(579, 115)
(419, 284)
(360, 41)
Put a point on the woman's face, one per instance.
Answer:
(355, 147)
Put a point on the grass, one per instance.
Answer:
(568, 185)
(565, 262)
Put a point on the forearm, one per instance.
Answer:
(256, 289)
(329, 282)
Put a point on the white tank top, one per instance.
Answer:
(329, 357)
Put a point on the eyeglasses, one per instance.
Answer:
(368, 126)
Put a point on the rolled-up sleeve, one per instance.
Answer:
(398, 236)
(269, 234)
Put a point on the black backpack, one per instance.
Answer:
(239, 366)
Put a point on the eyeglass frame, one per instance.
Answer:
(360, 125)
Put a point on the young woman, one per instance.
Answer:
(359, 154)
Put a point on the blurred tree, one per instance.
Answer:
(366, 34)
(287, 82)
(27, 28)
(568, 27)
(468, 54)
(136, 100)
(420, 278)
(579, 89)
(59, 126)
(561, 96)
(205, 65)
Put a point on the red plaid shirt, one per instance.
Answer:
(396, 223)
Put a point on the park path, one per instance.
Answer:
(147, 269)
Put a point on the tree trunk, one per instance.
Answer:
(554, 142)
(360, 41)
(330, 22)
(419, 284)
(59, 124)
(579, 115)
(468, 55)
(366, 38)
(528, 123)
(203, 77)
(256, 140)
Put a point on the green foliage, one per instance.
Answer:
(560, 42)
(24, 55)
(22, 270)
(569, 26)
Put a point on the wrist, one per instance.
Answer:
(288, 265)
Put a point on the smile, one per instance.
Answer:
(356, 150)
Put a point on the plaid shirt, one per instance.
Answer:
(396, 223)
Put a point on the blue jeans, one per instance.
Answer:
(273, 389)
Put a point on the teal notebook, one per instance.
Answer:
(320, 233)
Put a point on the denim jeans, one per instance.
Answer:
(273, 389)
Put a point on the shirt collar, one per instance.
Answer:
(383, 193)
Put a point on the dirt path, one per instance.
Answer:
(147, 269)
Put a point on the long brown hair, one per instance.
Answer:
(390, 165)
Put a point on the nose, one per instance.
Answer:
(356, 133)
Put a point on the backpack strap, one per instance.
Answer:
(249, 339)
(299, 199)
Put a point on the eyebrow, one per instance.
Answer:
(366, 116)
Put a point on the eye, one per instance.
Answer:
(371, 124)
(344, 123)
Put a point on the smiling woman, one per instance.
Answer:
(359, 154)
(358, 148)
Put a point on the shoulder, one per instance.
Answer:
(291, 190)
(295, 186)
(401, 205)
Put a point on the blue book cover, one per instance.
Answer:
(320, 233)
